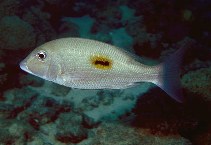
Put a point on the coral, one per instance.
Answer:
(144, 43)
(198, 81)
(18, 97)
(44, 31)
(58, 90)
(137, 30)
(10, 8)
(95, 104)
(61, 115)
(84, 28)
(5, 109)
(70, 129)
(100, 26)
(16, 33)
(15, 132)
(121, 38)
(109, 105)
(116, 133)
(104, 37)
(31, 80)
(68, 29)
(76, 27)
(34, 111)
(127, 13)
(110, 17)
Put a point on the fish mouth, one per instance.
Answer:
(24, 67)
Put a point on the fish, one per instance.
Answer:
(90, 64)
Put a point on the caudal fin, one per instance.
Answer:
(169, 79)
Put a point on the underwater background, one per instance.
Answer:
(38, 112)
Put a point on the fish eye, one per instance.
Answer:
(41, 55)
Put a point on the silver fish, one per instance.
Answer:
(89, 64)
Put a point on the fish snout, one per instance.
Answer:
(24, 67)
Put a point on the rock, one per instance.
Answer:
(84, 28)
(117, 133)
(44, 31)
(15, 132)
(59, 90)
(69, 128)
(199, 82)
(30, 80)
(10, 7)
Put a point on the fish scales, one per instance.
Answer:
(90, 64)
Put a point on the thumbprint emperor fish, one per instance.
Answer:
(89, 64)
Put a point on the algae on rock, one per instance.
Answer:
(199, 82)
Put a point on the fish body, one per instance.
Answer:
(89, 64)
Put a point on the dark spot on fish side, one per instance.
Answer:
(101, 62)
(104, 63)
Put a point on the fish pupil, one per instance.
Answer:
(41, 56)
(104, 63)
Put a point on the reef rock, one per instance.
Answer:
(116, 133)
(199, 82)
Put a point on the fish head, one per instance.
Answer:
(42, 62)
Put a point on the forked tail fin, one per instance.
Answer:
(169, 79)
